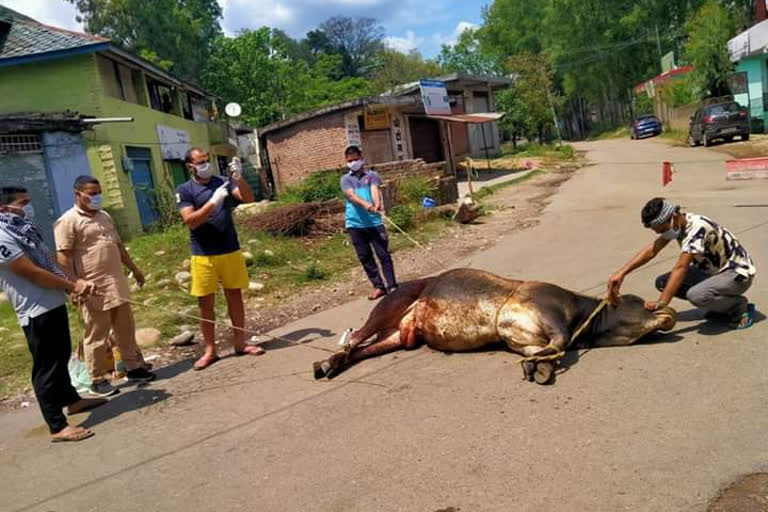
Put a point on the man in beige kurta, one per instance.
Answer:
(88, 244)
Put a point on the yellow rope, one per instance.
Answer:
(560, 353)
(222, 324)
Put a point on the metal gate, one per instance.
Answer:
(22, 164)
(143, 183)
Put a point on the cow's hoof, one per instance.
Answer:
(529, 368)
(317, 367)
(544, 373)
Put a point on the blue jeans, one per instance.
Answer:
(366, 238)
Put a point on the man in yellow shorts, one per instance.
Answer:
(205, 203)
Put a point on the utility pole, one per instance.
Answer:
(554, 115)
(658, 44)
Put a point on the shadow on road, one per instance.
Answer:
(484, 175)
(298, 337)
(126, 401)
(655, 338)
(173, 370)
(708, 327)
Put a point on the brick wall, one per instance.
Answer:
(306, 147)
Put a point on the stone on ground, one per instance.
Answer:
(184, 338)
(147, 336)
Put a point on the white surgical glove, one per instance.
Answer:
(235, 169)
(219, 195)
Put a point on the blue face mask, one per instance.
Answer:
(29, 212)
(95, 203)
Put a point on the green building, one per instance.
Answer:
(45, 69)
(750, 84)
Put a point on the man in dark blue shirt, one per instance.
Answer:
(205, 203)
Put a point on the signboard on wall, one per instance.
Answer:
(738, 82)
(376, 119)
(174, 143)
(668, 62)
(353, 130)
(398, 138)
(435, 97)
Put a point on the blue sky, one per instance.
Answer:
(409, 24)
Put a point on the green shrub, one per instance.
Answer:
(263, 259)
(642, 104)
(313, 273)
(412, 190)
(679, 92)
(402, 215)
(566, 151)
(318, 186)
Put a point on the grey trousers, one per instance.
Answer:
(721, 293)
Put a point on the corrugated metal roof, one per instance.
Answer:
(476, 118)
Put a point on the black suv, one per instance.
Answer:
(718, 121)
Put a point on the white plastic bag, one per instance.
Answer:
(78, 374)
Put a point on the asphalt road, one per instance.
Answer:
(654, 427)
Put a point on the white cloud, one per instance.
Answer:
(452, 38)
(240, 14)
(404, 44)
(51, 12)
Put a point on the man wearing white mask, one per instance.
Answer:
(205, 203)
(712, 272)
(363, 222)
(37, 289)
(89, 247)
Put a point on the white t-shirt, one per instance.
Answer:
(28, 299)
(713, 247)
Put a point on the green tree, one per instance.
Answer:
(528, 101)
(175, 34)
(320, 85)
(253, 70)
(512, 27)
(394, 68)
(709, 30)
(357, 40)
(256, 69)
(467, 56)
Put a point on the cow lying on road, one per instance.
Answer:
(466, 309)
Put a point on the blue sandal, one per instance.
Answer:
(749, 315)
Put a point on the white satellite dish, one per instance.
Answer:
(233, 109)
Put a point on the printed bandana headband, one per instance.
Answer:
(667, 210)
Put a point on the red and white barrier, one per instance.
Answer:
(746, 169)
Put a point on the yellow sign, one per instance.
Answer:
(376, 119)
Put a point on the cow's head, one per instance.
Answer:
(629, 321)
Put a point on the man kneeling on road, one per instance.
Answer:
(713, 270)
(205, 203)
(37, 290)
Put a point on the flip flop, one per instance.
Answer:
(377, 294)
(90, 403)
(749, 315)
(74, 437)
(250, 350)
(206, 362)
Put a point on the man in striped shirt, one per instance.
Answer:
(713, 271)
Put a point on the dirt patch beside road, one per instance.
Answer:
(747, 494)
(756, 146)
